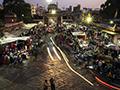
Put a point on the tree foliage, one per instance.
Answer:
(1, 24)
(108, 9)
(1, 15)
(19, 7)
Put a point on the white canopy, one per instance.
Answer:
(78, 33)
(8, 40)
(29, 26)
(113, 46)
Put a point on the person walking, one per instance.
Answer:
(45, 85)
(52, 82)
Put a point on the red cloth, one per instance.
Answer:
(83, 37)
(35, 32)
(29, 42)
(11, 43)
(61, 38)
(9, 46)
(14, 47)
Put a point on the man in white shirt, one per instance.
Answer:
(100, 63)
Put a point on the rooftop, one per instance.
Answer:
(52, 5)
(109, 32)
(10, 13)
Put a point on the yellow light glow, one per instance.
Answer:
(89, 19)
(49, 1)
(53, 11)
(66, 60)
(111, 22)
(56, 53)
(48, 50)
(22, 15)
(12, 20)
(40, 22)
(52, 21)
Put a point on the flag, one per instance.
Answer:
(116, 13)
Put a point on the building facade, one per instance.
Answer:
(10, 17)
(40, 10)
(77, 13)
(53, 15)
(33, 10)
(69, 9)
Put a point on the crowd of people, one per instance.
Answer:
(18, 50)
(92, 49)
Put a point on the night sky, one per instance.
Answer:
(66, 3)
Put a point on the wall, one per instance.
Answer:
(116, 38)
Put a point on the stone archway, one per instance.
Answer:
(53, 20)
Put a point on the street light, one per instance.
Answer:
(49, 1)
(89, 19)
(111, 22)
(22, 15)
(53, 11)
(12, 20)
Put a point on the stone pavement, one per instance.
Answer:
(31, 74)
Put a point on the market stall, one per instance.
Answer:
(13, 39)
(79, 35)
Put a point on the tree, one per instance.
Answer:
(1, 15)
(1, 24)
(19, 7)
(1, 33)
(108, 9)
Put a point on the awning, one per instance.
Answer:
(8, 40)
(113, 46)
(109, 32)
(29, 26)
(78, 33)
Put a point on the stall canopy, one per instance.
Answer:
(29, 26)
(79, 35)
(8, 40)
(109, 32)
(112, 46)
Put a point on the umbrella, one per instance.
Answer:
(115, 47)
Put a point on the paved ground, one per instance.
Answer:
(31, 74)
